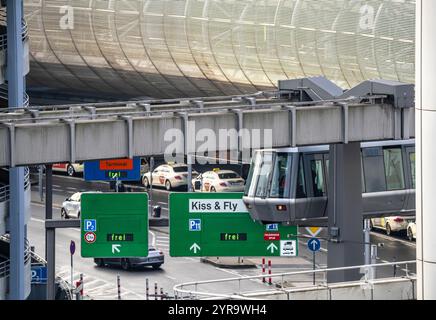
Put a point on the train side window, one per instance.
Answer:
(373, 170)
(318, 178)
(301, 181)
(412, 168)
(394, 169)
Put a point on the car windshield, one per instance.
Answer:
(228, 175)
(180, 169)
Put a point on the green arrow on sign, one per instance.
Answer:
(115, 248)
(195, 247)
(114, 225)
(219, 225)
(272, 247)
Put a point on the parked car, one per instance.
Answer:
(71, 206)
(218, 181)
(169, 176)
(70, 168)
(411, 230)
(154, 259)
(390, 224)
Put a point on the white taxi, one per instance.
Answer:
(411, 230)
(169, 176)
(391, 224)
(218, 181)
(70, 168)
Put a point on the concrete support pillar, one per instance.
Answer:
(345, 247)
(16, 175)
(425, 148)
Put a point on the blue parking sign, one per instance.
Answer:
(90, 225)
(194, 224)
(272, 227)
(39, 274)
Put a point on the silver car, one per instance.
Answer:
(154, 259)
(71, 206)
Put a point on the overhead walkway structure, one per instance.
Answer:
(71, 133)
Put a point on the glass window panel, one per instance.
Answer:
(412, 168)
(301, 181)
(318, 178)
(394, 169)
(264, 175)
(278, 182)
(250, 185)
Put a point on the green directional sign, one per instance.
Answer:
(219, 225)
(114, 225)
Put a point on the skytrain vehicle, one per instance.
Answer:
(290, 185)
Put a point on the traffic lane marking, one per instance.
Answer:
(153, 241)
(43, 205)
(402, 269)
(386, 237)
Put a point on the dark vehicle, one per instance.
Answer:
(154, 259)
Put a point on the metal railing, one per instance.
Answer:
(4, 94)
(4, 266)
(4, 189)
(181, 291)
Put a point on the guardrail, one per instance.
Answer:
(182, 293)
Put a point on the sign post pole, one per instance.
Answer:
(189, 160)
(151, 184)
(314, 245)
(72, 250)
(40, 187)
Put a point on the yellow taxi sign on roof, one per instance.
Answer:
(216, 169)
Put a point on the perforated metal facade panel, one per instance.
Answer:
(176, 48)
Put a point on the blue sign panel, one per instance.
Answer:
(90, 225)
(314, 244)
(272, 227)
(39, 275)
(194, 224)
(113, 170)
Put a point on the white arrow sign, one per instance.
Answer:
(314, 244)
(195, 247)
(272, 247)
(115, 248)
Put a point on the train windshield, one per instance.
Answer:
(268, 175)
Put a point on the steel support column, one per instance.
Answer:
(15, 79)
(425, 149)
(345, 247)
(50, 234)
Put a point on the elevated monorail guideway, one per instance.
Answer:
(80, 133)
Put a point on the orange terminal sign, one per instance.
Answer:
(118, 164)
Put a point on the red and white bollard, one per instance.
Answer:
(269, 272)
(79, 288)
(263, 270)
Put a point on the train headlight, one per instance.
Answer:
(281, 207)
